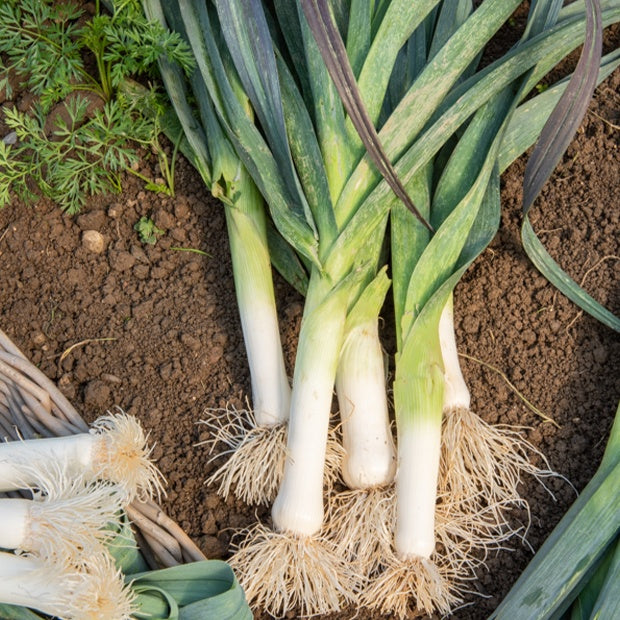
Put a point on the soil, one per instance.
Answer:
(154, 330)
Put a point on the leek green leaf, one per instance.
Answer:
(194, 591)
(11, 612)
(564, 283)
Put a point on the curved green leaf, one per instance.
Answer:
(555, 136)
(11, 612)
(245, 30)
(554, 273)
(207, 589)
(286, 211)
(335, 57)
(529, 118)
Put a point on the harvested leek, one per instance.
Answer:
(114, 450)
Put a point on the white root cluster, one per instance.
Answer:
(359, 522)
(79, 484)
(280, 572)
(121, 454)
(415, 585)
(256, 455)
(115, 450)
(94, 592)
(67, 519)
(483, 465)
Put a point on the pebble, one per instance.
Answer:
(141, 272)
(114, 210)
(39, 338)
(143, 310)
(93, 241)
(214, 355)
(110, 378)
(190, 342)
(471, 324)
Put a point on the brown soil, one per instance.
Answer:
(154, 330)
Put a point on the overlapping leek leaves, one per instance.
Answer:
(411, 96)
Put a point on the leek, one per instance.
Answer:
(66, 519)
(95, 593)
(328, 203)
(114, 450)
(254, 437)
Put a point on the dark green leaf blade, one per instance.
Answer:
(244, 27)
(555, 137)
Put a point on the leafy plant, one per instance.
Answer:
(42, 47)
(45, 47)
(83, 153)
(78, 157)
(147, 230)
(126, 43)
(152, 106)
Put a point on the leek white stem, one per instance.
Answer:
(298, 507)
(271, 393)
(418, 399)
(416, 489)
(456, 393)
(114, 450)
(57, 590)
(370, 455)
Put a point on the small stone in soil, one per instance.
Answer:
(93, 241)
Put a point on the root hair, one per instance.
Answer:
(256, 456)
(122, 456)
(280, 572)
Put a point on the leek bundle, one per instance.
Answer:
(79, 485)
(74, 554)
(333, 173)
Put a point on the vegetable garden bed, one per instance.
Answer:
(155, 330)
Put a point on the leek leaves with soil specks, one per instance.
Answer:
(447, 130)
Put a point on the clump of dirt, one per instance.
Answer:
(154, 329)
